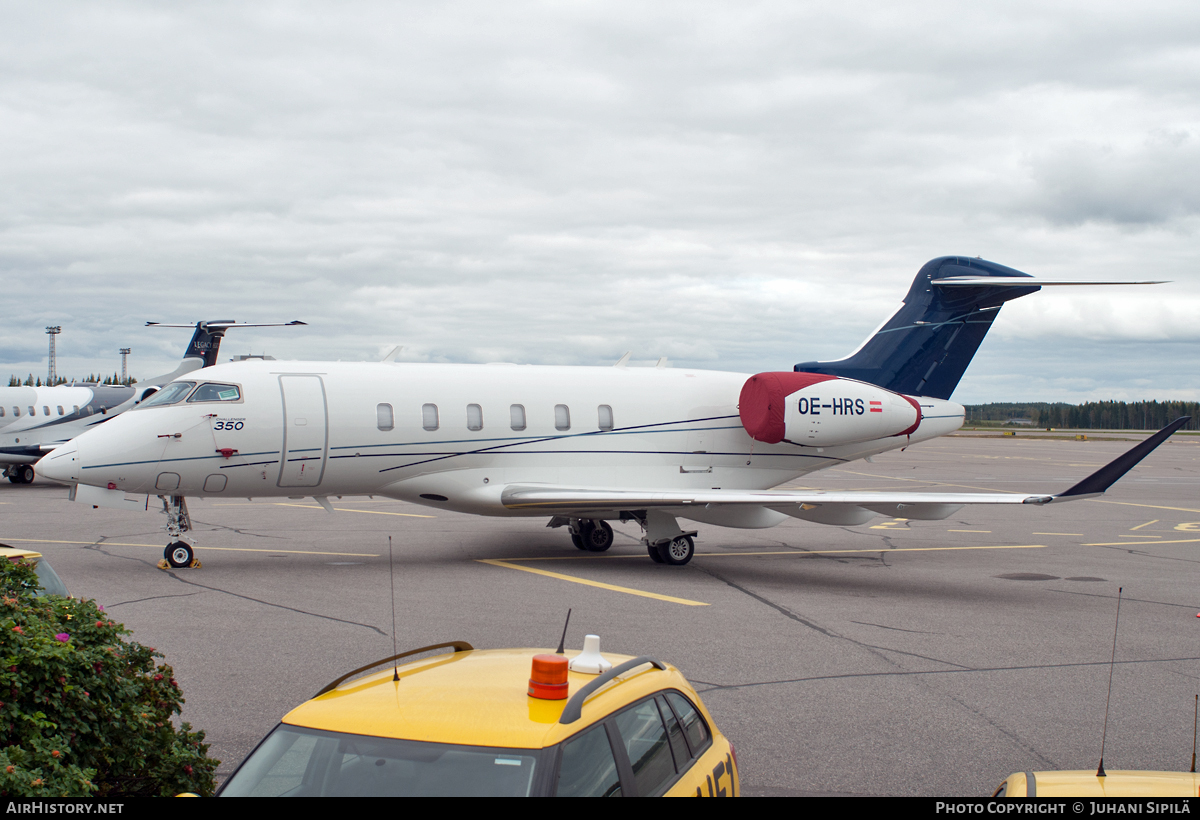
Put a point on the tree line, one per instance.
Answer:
(1092, 415)
(93, 378)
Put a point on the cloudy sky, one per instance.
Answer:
(736, 186)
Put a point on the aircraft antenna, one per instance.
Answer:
(562, 642)
(392, 582)
(1112, 662)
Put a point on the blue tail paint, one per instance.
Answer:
(924, 349)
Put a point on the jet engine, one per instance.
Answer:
(817, 410)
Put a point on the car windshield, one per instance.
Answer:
(48, 578)
(299, 762)
(170, 394)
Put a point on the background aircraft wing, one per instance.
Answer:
(928, 505)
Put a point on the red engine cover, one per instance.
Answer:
(761, 404)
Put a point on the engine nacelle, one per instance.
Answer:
(817, 410)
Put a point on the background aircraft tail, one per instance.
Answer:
(925, 347)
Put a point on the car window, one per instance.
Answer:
(693, 725)
(679, 746)
(216, 392)
(645, 739)
(588, 768)
(48, 578)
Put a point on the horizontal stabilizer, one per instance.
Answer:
(996, 282)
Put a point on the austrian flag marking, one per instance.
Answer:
(876, 407)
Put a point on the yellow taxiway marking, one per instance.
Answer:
(222, 549)
(343, 509)
(496, 562)
(1151, 506)
(1147, 524)
(1127, 543)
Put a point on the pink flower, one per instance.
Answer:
(62, 636)
(18, 630)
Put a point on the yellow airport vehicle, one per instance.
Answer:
(499, 722)
(51, 583)
(1113, 784)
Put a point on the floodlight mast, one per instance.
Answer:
(125, 351)
(52, 375)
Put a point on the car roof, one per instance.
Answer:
(477, 697)
(13, 553)
(1116, 783)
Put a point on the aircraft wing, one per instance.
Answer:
(560, 500)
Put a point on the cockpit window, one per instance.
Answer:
(170, 394)
(216, 392)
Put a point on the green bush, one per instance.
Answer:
(82, 710)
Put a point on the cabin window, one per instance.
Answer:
(474, 417)
(216, 392)
(384, 418)
(17, 412)
(60, 410)
(606, 420)
(45, 410)
(562, 417)
(517, 415)
(32, 412)
(429, 416)
(77, 408)
(1, 412)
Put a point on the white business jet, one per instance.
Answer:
(35, 420)
(582, 445)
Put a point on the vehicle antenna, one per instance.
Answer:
(1112, 662)
(392, 580)
(1194, 717)
(563, 640)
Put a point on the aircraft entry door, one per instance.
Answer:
(305, 431)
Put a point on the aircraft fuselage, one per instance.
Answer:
(452, 436)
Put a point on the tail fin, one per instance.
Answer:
(202, 350)
(925, 347)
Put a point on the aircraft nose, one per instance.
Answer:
(60, 464)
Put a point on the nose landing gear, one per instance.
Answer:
(178, 554)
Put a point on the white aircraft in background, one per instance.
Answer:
(35, 420)
(583, 445)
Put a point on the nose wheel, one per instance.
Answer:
(180, 554)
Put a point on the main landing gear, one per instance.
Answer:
(589, 535)
(665, 542)
(20, 473)
(178, 554)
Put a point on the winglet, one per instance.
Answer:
(1106, 476)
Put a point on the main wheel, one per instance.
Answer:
(14, 478)
(179, 554)
(598, 536)
(578, 542)
(25, 472)
(652, 551)
(678, 552)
